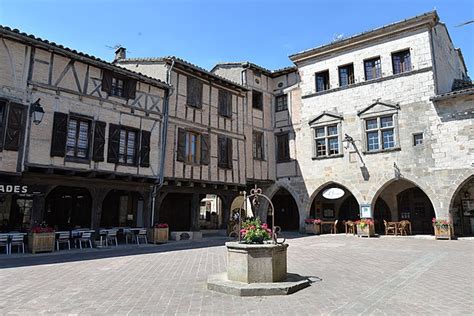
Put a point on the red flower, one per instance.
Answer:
(161, 225)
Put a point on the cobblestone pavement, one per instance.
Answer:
(378, 276)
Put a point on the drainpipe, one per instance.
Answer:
(164, 132)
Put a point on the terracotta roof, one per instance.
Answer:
(453, 94)
(60, 49)
(461, 84)
(244, 64)
(183, 63)
(367, 34)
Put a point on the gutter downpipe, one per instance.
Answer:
(164, 133)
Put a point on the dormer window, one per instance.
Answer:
(117, 87)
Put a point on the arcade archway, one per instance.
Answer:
(286, 211)
(68, 208)
(122, 209)
(462, 209)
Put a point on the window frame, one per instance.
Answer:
(197, 154)
(403, 68)
(287, 157)
(415, 144)
(326, 138)
(261, 143)
(380, 132)
(284, 106)
(373, 69)
(350, 76)
(136, 146)
(116, 90)
(79, 118)
(327, 84)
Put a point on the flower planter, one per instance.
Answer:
(41, 242)
(159, 235)
(314, 229)
(443, 231)
(366, 231)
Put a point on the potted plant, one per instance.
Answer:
(442, 229)
(365, 227)
(160, 233)
(254, 232)
(41, 238)
(313, 226)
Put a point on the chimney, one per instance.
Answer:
(120, 53)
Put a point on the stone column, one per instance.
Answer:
(195, 212)
(39, 203)
(146, 208)
(98, 196)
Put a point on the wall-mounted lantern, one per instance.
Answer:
(37, 112)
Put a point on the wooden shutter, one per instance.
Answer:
(107, 81)
(225, 103)
(137, 157)
(181, 146)
(59, 136)
(130, 88)
(229, 152)
(145, 149)
(221, 146)
(3, 110)
(16, 117)
(99, 141)
(194, 92)
(205, 149)
(114, 143)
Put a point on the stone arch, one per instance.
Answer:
(460, 182)
(385, 180)
(347, 185)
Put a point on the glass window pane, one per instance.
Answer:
(320, 132)
(332, 130)
(386, 121)
(373, 141)
(388, 139)
(371, 124)
(333, 146)
(417, 139)
(321, 147)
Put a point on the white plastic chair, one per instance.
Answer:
(63, 238)
(86, 237)
(4, 243)
(112, 236)
(17, 240)
(142, 235)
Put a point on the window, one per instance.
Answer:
(194, 92)
(346, 75)
(258, 145)
(225, 152)
(257, 100)
(322, 81)
(372, 68)
(283, 148)
(401, 62)
(380, 132)
(78, 135)
(3, 106)
(327, 141)
(193, 147)
(281, 102)
(127, 147)
(117, 87)
(225, 103)
(417, 139)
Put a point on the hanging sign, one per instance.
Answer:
(333, 193)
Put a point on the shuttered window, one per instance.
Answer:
(15, 125)
(128, 144)
(225, 103)
(193, 147)
(258, 145)
(194, 92)
(59, 135)
(99, 141)
(257, 100)
(3, 106)
(118, 85)
(145, 149)
(78, 136)
(283, 148)
(224, 152)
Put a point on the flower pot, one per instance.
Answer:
(41, 242)
(314, 229)
(366, 230)
(160, 235)
(443, 231)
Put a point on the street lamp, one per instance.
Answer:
(37, 112)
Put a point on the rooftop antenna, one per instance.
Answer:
(337, 37)
(465, 23)
(116, 46)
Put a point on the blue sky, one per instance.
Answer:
(206, 32)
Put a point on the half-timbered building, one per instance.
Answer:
(94, 157)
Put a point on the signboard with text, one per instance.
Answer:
(365, 211)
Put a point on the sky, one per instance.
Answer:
(206, 32)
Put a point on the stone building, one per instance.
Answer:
(94, 158)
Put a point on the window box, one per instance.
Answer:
(313, 228)
(159, 235)
(365, 228)
(41, 242)
(443, 231)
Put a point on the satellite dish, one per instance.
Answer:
(333, 193)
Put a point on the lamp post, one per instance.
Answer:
(37, 112)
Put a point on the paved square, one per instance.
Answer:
(350, 276)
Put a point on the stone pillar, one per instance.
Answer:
(195, 212)
(146, 208)
(98, 196)
(160, 197)
(39, 203)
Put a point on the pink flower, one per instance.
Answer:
(264, 226)
(243, 231)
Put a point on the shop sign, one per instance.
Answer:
(333, 193)
(365, 211)
(13, 188)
